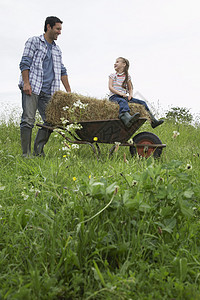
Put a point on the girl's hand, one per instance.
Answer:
(129, 98)
(123, 95)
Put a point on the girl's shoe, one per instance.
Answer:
(127, 119)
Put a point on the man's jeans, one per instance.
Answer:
(123, 103)
(30, 104)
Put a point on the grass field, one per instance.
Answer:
(72, 227)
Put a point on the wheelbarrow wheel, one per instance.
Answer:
(146, 138)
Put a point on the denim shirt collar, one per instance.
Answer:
(43, 40)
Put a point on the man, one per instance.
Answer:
(41, 71)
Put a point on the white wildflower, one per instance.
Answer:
(65, 108)
(57, 130)
(64, 121)
(74, 126)
(32, 189)
(24, 196)
(80, 104)
(75, 146)
(65, 148)
(175, 134)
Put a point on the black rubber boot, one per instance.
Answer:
(154, 121)
(26, 133)
(127, 119)
(41, 139)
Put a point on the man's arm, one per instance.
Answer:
(26, 61)
(65, 82)
(27, 87)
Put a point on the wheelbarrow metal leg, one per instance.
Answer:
(98, 149)
(112, 149)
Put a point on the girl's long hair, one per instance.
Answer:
(125, 82)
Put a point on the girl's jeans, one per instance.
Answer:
(30, 104)
(123, 103)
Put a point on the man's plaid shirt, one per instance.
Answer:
(36, 49)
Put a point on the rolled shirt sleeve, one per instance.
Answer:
(25, 63)
(63, 70)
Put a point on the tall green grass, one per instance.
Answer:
(72, 227)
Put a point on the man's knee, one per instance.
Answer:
(27, 123)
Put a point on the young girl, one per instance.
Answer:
(120, 85)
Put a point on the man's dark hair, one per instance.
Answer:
(51, 21)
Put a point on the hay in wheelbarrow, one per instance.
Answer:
(96, 109)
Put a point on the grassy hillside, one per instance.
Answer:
(72, 227)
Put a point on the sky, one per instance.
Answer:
(161, 39)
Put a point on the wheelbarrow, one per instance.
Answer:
(114, 132)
